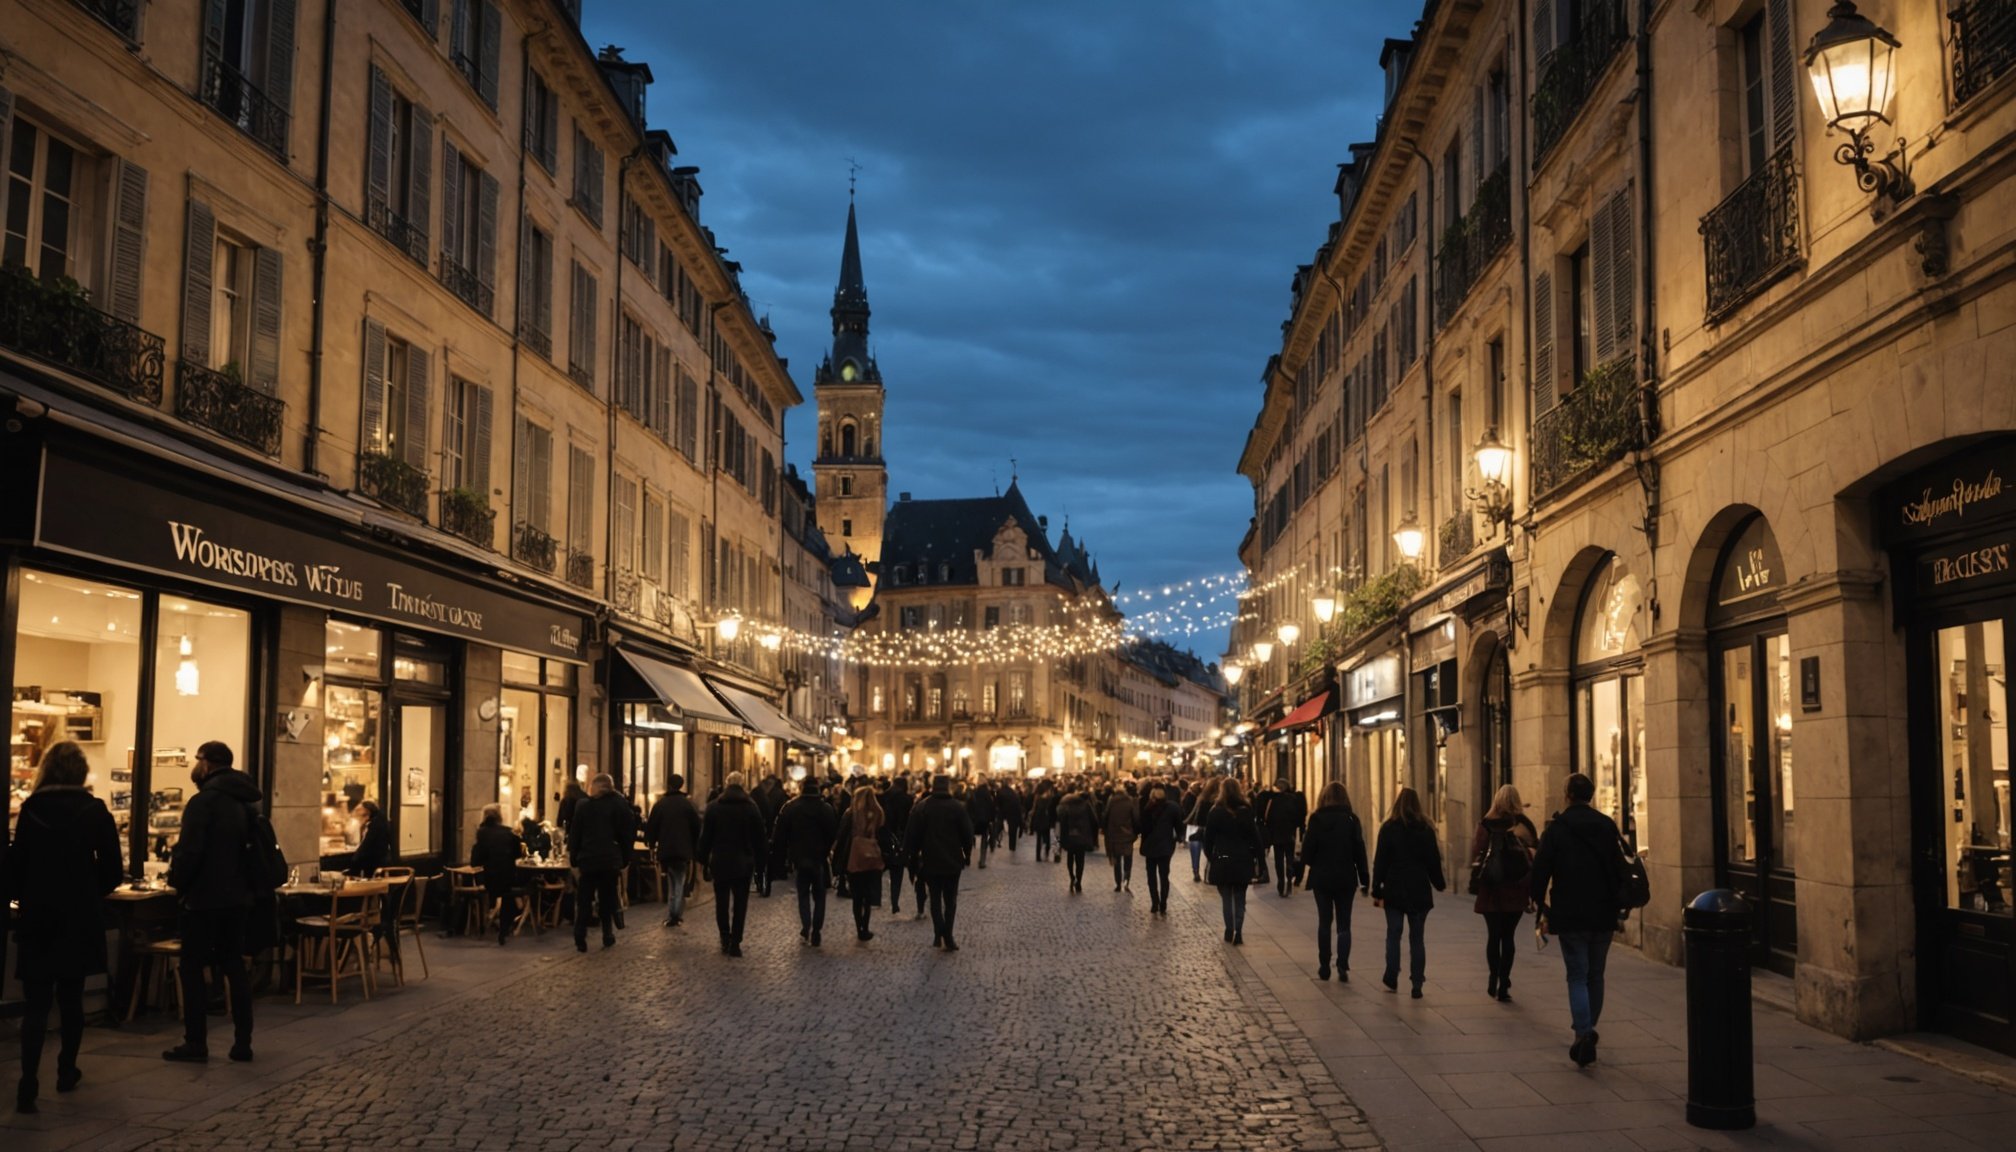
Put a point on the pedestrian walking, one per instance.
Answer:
(804, 838)
(672, 830)
(1406, 865)
(1077, 834)
(938, 843)
(598, 846)
(1161, 825)
(211, 878)
(1010, 806)
(1501, 863)
(862, 850)
(769, 797)
(1232, 845)
(896, 813)
(1333, 856)
(732, 844)
(1287, 810)
(980, 807)
(1197, 810)
(1117, 823)
(1574, 884)
(1042, 818)
(62, 862)
(496, 851)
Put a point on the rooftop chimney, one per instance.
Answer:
(902, 497)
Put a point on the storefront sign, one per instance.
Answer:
(1495, 575)
(1752, 572)
(1377, 679)
(94, 510)
(1971, 566)
(1955, 495)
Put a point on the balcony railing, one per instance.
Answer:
(408, 236)
(468, 515)
(393, 481)
(1984, 44)
(581, 569)
(221, 402)
(534, 548)
(583, 375)
(1457, 539)
(242, 102)
(536, 339)
(1590, 427)
(122, 16)
(55, 322)
(1470, 244)
(1569, 73)
(464, 283)
(1752, 237)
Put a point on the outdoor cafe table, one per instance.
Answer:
(141, 916)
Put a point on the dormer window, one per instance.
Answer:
(1011, 577)
(901, 574)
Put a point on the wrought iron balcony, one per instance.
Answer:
(468, 515)
(583, 375)
(1569, 73)
(392, 481)
(1457, 539)
(122, 16)
(55, 322)
(534, 548)
(1591, 426)
(408, 236)
(242, 102)
(221, 402)
(1470, 244)
(1984, 44)
(464, 283)
(536, 339)
(581, 569)
(1752, 237)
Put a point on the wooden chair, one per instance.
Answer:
(407, 922)
(339, 945)
(465, 888)
(549, 896)
(162, 961)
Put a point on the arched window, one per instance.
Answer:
(847, 438)
(1609, 684)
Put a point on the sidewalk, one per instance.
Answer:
(1458, 1070)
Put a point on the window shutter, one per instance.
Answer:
(486, 230)
(378, 168)
(1623, 272)
(1784, 72)
(199, 252)
(279, 85)
(129, 240)
(215, 13)
(458, 29)
(419, 176)
(661, 412)
(589, 321)
(265, 366)
(6, 141)
(595, 182)
(521, 470)
(476, 465)
(549, 140)
(416, 406)
(492, 32)
(430, 15)
(1543, 32)
(1602, 291)
(451, 203)
(542, 480)
(1477, 172)
(372, 438)
(526, 307)
(1543, 342)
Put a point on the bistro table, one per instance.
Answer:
(544, 873)
(141, 916)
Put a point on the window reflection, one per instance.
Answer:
(1974, 745)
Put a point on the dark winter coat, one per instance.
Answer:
(896, 808)
(374, 849)
(939, 837)
(1285, 815)
(1576, 872)
(805, 831)
(601, 833)
(1117, 824)
(843, 845)
(1407, 866)
(1043, 812)
(673, 828)
(1077, 827)
(1512, 897)
(1333, 850)
(732, 835)
(207, 869)
(1161, 826)
(1009, 804)
(1232, 844)
(980, 806)
(63, 859)
(496, 852)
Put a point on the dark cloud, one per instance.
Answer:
(1078, 223)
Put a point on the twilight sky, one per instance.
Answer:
(1079, 219)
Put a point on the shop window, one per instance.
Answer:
(1973, 740)
(351, 720)
(386, 738)
(1610, 696)
(535, 723)
(202, 663)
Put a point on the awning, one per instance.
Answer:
(757, 712)
(807, 738)
(681, 690)
(1307, 712)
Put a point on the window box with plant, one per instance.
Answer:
(219, 399)
(467, 513)
(54, 320)
(393, 481)
(1592, 426)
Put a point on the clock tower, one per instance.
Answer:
(852, 480)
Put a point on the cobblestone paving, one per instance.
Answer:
(1063, 1023)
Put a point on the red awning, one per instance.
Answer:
(1307, 712)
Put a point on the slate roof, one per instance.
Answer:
(940, 533)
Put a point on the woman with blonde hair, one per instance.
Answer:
(1405, 866)
(1501, 859)
(861, 850)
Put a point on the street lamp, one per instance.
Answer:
(1289, 633)
(1494, 469)
(729, 627)
(1263, 650)
(1326, 607)
(1850, 61)
(1234, 673)
(1409, 538)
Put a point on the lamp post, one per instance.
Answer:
(1325, 606)
(1853, 71)
(1288, 633)
(1409, 539)
(1493, 496)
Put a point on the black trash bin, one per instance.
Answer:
(1721, 1073)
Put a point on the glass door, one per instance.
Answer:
(418, 769)
(1753, 764)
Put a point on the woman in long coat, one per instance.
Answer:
(1405, 866)
(1232, 844)
(1504, 902)
(63, 860)
(1333, 852)
(1161, 826)
(864, 819)
(1117, 820)
(1077, 834)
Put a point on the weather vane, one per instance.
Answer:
(853, 170)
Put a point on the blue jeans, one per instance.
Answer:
(1232, 902)
(1334, 905)
(1417, 951)
(1196, 856)
(675, 889)
(1584, 954)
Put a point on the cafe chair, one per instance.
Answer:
(549, 896)
(466, 894)
(408, 920)
(650, 881)
(161, 961)
(339, 945)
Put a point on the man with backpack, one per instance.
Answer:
(222, 859)
(1577, 883)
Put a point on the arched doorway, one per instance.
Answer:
(1493, 740)
(1609, 687)
(1750, 671)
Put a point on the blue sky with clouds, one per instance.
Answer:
(1078, 223)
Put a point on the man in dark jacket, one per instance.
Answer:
(1009, 806)
(896, 810)
(937, 843)
(1574, 881)
(210, 874)
(732, 845)
(672, 829)
(1282, 821)
(769, 797)
(804, 837)
(980, 809)
(598, 845)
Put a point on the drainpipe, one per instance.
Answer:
(1524, 222)
(1427, 347)
(1648, 411)
(615, 368)
(318, 248)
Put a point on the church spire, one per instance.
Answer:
(849, 361)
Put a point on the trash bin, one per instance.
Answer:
(1721, 1074)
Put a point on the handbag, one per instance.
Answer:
(864, 855)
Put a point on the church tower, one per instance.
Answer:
(852, 480)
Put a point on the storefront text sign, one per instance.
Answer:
(1962, 494)
(1377, 679)
(153, 524)
(1977, 565)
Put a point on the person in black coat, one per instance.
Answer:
(1406, 864)
(1286, 812)
(496, 851)
(1575, 880)
(1161, 826)
(374, 842)
(209, 875)
(769, 797)
(804, 838)
(569, 800)
(732, 844)
(1008, 804)
(1042, 818)
(1333, 857)
(1232, 844)
(63, 860)
(896, 812)
(938, 842)
(980, 807)
(672, 830)
(598, 846)
(864, 821)
(1077, 834)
